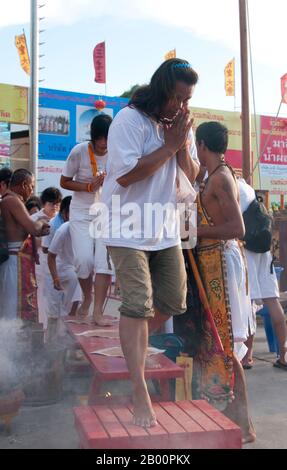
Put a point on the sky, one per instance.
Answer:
(138, 33)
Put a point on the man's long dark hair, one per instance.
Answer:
(151, 98)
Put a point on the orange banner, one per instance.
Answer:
(229, 76)
(21, 44)
(170, 55)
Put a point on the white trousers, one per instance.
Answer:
(90, 256)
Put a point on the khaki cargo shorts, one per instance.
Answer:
(150, 279)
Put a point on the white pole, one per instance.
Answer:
(34, 90)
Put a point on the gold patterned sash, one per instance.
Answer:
(214, 370)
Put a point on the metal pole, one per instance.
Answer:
(245, 114)
(34, 90)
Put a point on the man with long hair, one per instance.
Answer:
(147, 141)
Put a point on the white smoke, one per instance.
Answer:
(10, 350)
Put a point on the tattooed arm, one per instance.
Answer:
(232, 225)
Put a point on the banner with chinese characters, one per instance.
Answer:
(273, 161)
(170, 54)
(13, 104)
(21, 44)
(229, 78)
(100, 62)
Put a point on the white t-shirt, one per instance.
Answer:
(55, 223)
(61, 246)
(133, 135)
(78, 167)
(246, 194)
(43, 267)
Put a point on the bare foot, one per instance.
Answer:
(250, 435)
(248, 438)
(83, 311)
(101, 320)
(144, 415)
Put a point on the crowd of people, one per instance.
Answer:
(55, 262)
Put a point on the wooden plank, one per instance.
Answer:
(166, 421)
(89, 428)
(198, 416)
(110, 422)
(125, 417)
(183, 418)
(153, 431)
(219, 418)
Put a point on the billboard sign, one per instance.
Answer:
(13, 104)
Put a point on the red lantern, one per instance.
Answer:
(100, 105)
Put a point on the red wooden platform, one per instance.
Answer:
(158, 367)
(181, 425)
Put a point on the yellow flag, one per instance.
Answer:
(229, 76)
(183, 386)
(170, 55)
(21, 44)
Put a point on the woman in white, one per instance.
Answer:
(84, 173)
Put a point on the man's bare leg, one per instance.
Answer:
(87, 286)
(157, 321)
(237, 411)
(279, 324)
(134, 342)
(247, 361)
(101, 287)
(74, 309)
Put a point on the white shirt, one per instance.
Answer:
(246, 194)
(132, 135)
(55, 223)
(61, 245)
(78, 167)
(42, 256)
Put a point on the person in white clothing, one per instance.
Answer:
(263, 287)
(84, 173)
(62, 270)
(147, 140)
(51, 199)
(53, 297)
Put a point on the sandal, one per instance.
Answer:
(248, 365)
(280, 365)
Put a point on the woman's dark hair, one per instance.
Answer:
(65, 204)
(51, 195)
(5, 175)
(214, 135)
(100, 126)
(151, 98)
(32, 202)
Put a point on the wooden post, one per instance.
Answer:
(246, 133)
(281, 202)
(267, 200)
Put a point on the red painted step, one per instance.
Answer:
(181, 425)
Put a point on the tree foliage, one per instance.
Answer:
(129, 93)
